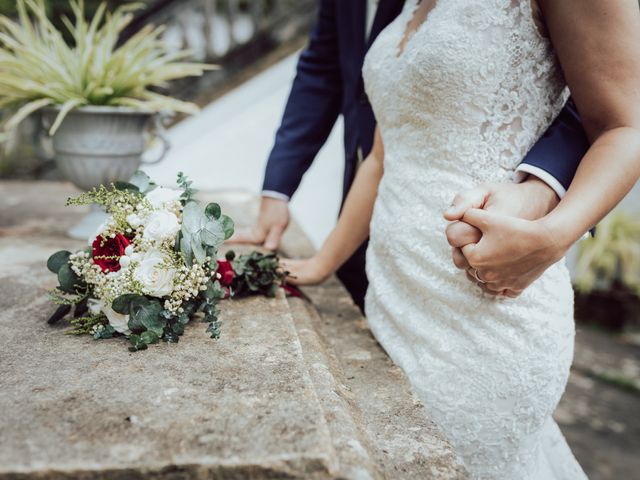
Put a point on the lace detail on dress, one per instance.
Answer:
(473, 90)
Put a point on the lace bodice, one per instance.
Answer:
(474, 88)
(478, 76)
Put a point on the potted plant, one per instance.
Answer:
(98, 98)
(607, 276)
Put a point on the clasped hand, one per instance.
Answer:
(499, 237)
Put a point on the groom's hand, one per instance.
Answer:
(272, 221)
(529, 200)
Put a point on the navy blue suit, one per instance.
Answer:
(329, 83)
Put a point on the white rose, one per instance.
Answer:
(160, 226)
(134, 220)
(118, 321)
(162, 197)
(153, 274)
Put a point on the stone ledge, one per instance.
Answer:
(285, 393)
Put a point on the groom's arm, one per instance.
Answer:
(556, 156)
(312, 109)
(550, 167)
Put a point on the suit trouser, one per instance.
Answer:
(352, 274)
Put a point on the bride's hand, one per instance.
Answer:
(512, 252)
(308, 271)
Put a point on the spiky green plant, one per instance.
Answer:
(38, 68)
(612, 257)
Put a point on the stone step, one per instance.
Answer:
(400, 436)
(355, 453)
(369, 405)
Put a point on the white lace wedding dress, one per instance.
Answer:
(474, 88)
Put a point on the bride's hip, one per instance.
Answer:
(416, 267)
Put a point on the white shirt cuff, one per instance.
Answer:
(524, 169)
(276, 195)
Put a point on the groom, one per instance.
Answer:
(329, 83)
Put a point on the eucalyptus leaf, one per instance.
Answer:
(228, 226)
(142, 181)
(136, 343)
(213, 234)
(68, 279)
(178, 328)
(122, 303)
(213, 211)
(198, 250)
(149, 337)
(193, 219)
(57, 260)
(126, 186)
(185, 248)
(146, 313)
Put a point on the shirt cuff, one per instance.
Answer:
(276, 195)
(524, 169)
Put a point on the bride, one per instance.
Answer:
(461, 90)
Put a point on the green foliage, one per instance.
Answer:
(104, 332)
(60, 298)
(611, 259)
(57, 260)
(256, 274)
(111, 199)
(85, 324)
(203, 232)
(209, 306)
(7, 7)
(69, 283)
(188, 192)
(142, 182)
(38, 68)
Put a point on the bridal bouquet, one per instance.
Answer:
(152, 266)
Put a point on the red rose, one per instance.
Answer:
(107, 251)
(225, 273)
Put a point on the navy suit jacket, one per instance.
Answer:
(329, 83)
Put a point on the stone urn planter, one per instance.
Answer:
(97, 145)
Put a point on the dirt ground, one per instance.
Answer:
(600, 411)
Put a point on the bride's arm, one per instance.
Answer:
(598, 45)
(353, 225)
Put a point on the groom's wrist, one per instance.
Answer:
(542, 194)
(276, 195)
(526, 171)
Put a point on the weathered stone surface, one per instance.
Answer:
(278, 396)
(391, 422)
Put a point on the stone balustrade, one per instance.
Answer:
(292, 389)
(213, 29)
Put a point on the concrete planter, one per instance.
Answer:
(99, 145)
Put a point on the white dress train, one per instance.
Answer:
(474, 88)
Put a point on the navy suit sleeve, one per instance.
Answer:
(312, 109)
(562, 147)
